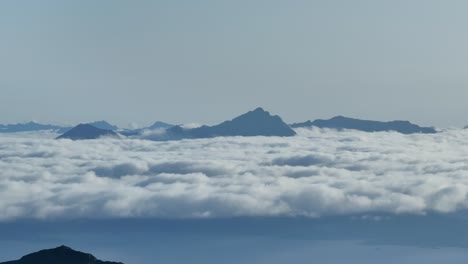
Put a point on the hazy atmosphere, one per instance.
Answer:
(204, 61)
(237, 132)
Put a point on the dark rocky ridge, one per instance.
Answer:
(59, 255)
(341, 122)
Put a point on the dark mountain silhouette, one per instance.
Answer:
(60, 255)
(341, 122)
(104, 125)
(29, 127)
(254, 123)
(86, 131)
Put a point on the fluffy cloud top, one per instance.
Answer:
(318, 172)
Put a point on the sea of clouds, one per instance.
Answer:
(316, 173)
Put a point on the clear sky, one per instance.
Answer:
(206, 61)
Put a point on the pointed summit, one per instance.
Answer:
(253, 123)
(256, 113)
(259, 110)
(59, 255)
(86, 131)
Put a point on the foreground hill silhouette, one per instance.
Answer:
(86, 131)
(60, 255)
(341, 122)
(254, 123)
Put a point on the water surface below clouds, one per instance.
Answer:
(363, 239)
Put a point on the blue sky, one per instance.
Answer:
(206, 61)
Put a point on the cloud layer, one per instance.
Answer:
(317, 173)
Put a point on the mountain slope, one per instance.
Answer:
(104, 125)
(341, 122)
(86, 131)
(60, 255)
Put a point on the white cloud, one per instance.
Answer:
(317, 173)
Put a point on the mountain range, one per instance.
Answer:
(33, 126)
(257, 122)
(30, 126)
(341, 122)
(59, 255)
